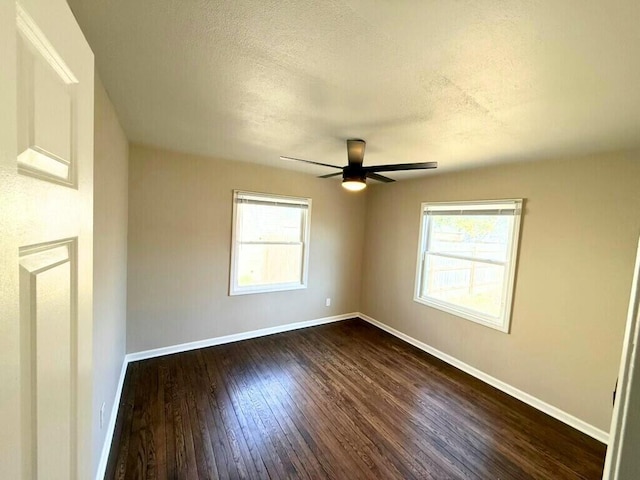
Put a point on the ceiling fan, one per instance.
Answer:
(354, 175)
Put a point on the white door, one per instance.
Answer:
(623, 462)
(46, 204)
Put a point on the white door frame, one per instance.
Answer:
(11, 437)
(620, 458)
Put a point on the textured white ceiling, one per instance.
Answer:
(460, 82)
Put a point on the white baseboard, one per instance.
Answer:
(555, 412)
(111, 426)
(210, 342)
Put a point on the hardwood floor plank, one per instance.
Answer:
(226, 428)
(205, 461)
(293, 423)
(140, 445)
(475, 432)
(117, 464)
(286, 412)
(259, 449)
(185, 462)
(356, 444)
(167, 417)
(272, 451)
(340, 401)
(423, 462)
(268, 423)
(245, 449)
(153, 437)
(482, 399)
(159, 423)
(451, 442)
(312, 424)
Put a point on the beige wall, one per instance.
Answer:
(179, 249)
(110, 260)
(577, 247)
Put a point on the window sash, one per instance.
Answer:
(486, 317)
(467, 258)
(489, 208)
(278, 265)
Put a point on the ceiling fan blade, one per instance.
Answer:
(355, 151)
(401, 166)
(309, 161)
(330, 175)
(380, 178)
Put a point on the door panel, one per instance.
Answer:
(47, 299)
(46, 87)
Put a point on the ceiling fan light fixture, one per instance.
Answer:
(354, 184)
(354, 179)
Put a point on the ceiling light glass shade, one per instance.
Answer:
(354, 185)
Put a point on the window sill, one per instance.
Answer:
(265, 289)
(462, 313)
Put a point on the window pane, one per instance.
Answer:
(476, 286)
(268, 223)
(477, 236)
(269, 264)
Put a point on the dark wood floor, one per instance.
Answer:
(344, 401)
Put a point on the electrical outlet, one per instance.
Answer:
(327, 302)
(102, 415)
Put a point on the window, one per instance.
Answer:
(270, 244)
(467, 257)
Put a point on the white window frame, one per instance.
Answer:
(268, 198)
(502, 323)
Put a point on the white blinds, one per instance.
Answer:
(501, 207)
(271, 200)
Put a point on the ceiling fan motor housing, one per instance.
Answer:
(354, 174)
